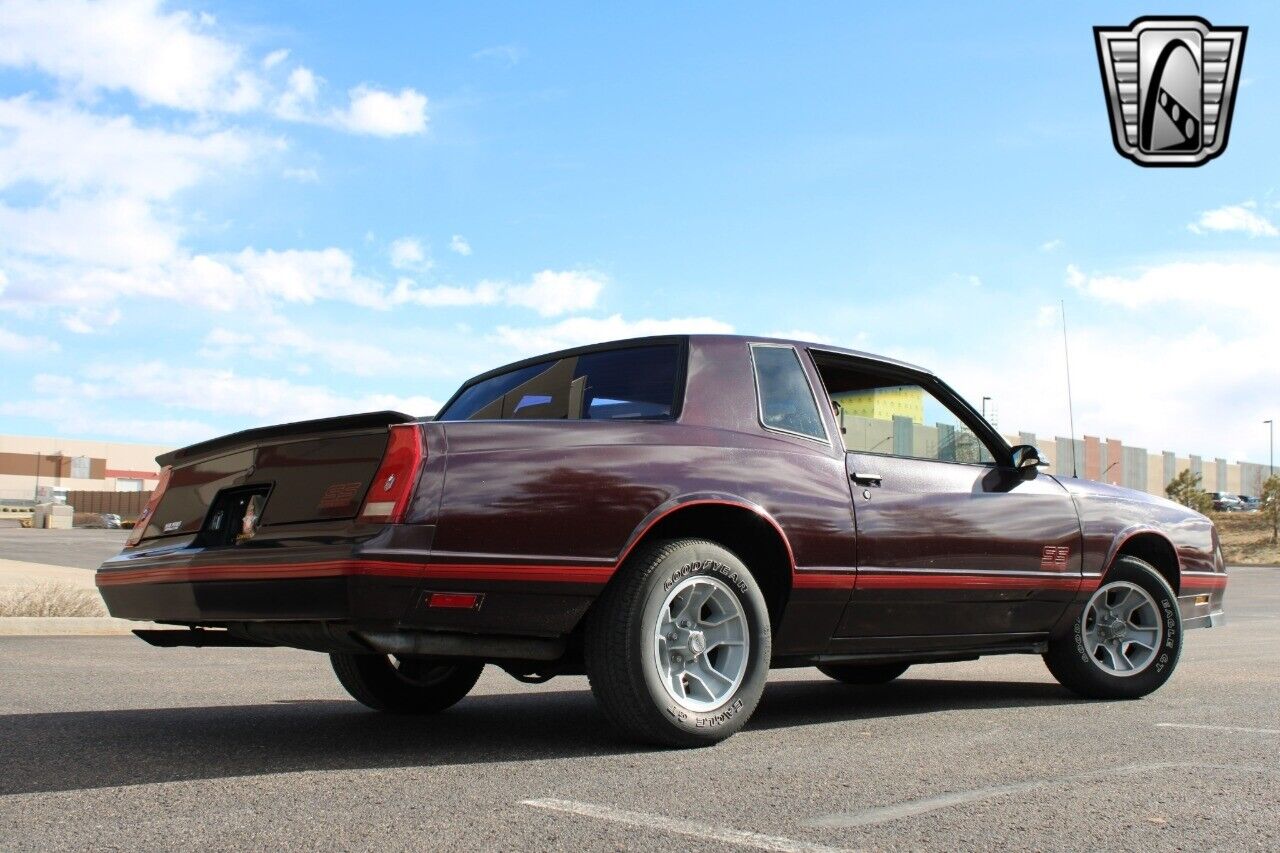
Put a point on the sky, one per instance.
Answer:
(221, 215)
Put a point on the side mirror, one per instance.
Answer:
(1026, 456)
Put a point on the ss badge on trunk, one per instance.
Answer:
(1170, 85)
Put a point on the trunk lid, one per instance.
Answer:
(294, 473)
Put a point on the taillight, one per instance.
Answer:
(388, 496)
(140, 526)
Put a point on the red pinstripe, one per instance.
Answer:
(1203, 582)
(873, 580)
(353, 568)
(822, 580)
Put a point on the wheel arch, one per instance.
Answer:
(741, 526)
(1150, 547)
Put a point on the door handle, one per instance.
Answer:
(865, 479)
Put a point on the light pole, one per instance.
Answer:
(984, 407)
(1271, 462)
(36, 497)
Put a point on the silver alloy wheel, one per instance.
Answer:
(1122, 628)
(700, 643)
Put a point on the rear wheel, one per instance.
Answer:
(677, 647)
(404, 685)
(863, 673)
(1127, 639)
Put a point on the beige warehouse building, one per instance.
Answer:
(55, 466)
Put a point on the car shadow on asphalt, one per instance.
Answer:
(77, 750)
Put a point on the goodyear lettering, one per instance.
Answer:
(705, 567)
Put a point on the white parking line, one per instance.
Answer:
(693, 829)
(1218, 728)
(911, 808)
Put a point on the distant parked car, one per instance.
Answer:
(1251, 504)
(97, 520)
(1226, 502)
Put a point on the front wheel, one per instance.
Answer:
(1127, 639)
(404, 685)
(677, 647)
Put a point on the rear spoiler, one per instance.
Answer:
(343, 423)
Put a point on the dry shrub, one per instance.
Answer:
(51, 599)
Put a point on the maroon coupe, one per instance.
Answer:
(672, 516)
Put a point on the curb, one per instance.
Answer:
(68, 626)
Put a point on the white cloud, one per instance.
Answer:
(301, 175)
(274, 58)
(507, 55)
(1051, 245)
(584, 330)
(87, 320)
(217, 391)
(1247, 286)
(407, 253)
(299, 97)
(12, 342)
(115, 232)
(484, 293)
(1235, 217)
(382, 113)
(1175, 356)
(273, 338)
(70, 416)
(303, 276)
(71, 151)
(165, 58)
(176, 59)
(801, 335)
(459, 244)
(551, 292)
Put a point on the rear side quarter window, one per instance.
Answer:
(785, 398)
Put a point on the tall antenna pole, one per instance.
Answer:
(1071, 413)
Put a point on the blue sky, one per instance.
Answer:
(220, 215)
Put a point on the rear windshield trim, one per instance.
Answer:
(681, 343)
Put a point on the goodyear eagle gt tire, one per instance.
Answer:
(678, 645)
(1126, 641)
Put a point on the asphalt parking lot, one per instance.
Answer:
(81, 548)
(107, 742)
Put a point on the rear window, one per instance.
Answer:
(622, 384)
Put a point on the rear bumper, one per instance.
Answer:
(368, 585)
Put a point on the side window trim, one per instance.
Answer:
(755, 376)
(941, 392)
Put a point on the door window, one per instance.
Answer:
(882, 413)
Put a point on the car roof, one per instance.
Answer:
(694, 340)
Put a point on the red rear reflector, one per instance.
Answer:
(455, 600)
(140, 526)
(388, 495)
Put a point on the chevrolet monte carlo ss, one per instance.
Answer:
(672, 516)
